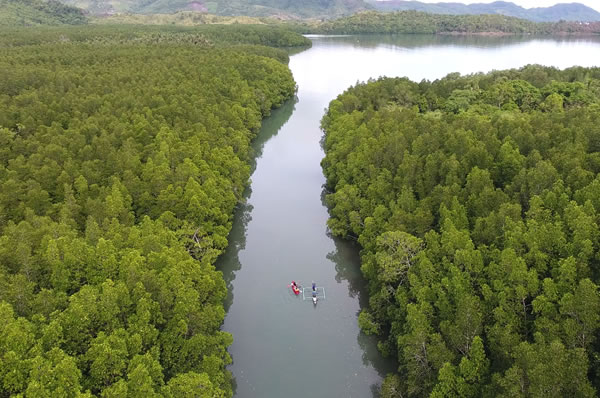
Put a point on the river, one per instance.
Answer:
(285, 346)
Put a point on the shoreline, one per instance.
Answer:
(502, 34)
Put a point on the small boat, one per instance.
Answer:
(295, 288)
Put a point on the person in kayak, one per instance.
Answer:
(295, 288)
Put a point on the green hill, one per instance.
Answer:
(558, 12)
(260, 8)
(39, 12)
(421, 22)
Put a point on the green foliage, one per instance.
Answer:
(475, 201)
(191, 385)
(120, 167)
(39, 12)
(185, 18)
(199, 36)
(254, 8)
(422, 22)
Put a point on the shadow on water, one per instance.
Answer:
(269, 129)
(296, 50)
(413, 41)
(228, 263)
(347, 266)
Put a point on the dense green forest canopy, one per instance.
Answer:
(376, 22)
(258, 8)
(39, 12)
(202, 36)
(182, 18)
(476, 200)
(421, 22)
(122, 158)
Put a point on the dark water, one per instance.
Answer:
(283, 345)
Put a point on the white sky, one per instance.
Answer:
(595, 4)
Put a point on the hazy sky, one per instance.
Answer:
(595, 4)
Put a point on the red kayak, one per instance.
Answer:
(295, 288)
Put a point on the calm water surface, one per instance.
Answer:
(284, 346)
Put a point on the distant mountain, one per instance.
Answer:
(259, 8)
(39, 12)
(565, 12)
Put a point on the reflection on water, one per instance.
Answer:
(284, 346)
(425, 40)
(270, 127)
(347, 267)
(346, 259)
(358, 58)
(229, 262)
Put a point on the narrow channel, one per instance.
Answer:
(283, 345)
